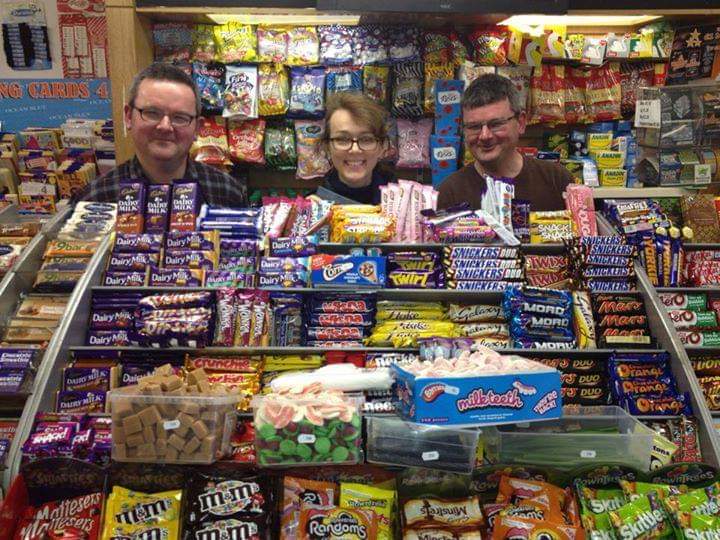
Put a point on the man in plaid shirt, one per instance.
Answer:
(163, 115)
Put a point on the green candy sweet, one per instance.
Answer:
(322, 445)
(270, 456)
(303, 451)
(287, 447)
(266, 430)
(340, 454)
(356, 421)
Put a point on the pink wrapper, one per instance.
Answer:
(385, 201)
(412, 222)
(406, 187)
(579, 201)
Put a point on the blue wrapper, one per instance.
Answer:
(664, 385)
(307, 91)
(538, 301)
(658, 405)
(529, 322)
(343, 79)
(533, 343)
(16, 357)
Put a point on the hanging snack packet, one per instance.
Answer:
(272, 44)
(370, 45)
(404, 44)
(235, 42)
(336, 44)
(379, 501)
(240, 93)
(434, 72)
(343, 79)
(575, 81)
(603, 93)
(296, 492)
(520, 76)
(407, 90)
(548, 95)
(211, 144)
(391, 151)
(303, 46)
(307, 92)
(203, 43)
(173, 42)
(376, 82)
(273, 89)
(245, 138)
(438, 47)
(490, 45)
(459, 48)
(280, 147)
(210, 80)
(414, 143)
(312, 161)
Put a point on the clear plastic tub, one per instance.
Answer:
(393, 441)
(188, 428)
(292, 431)
(583, 436)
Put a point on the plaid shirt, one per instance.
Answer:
(217, 188)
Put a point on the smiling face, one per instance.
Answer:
(354, 166)
(162, 144)
(490, 147)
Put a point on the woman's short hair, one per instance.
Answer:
(363, 110)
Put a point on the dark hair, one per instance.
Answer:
(161, 71)
(363, 109)
(491, 88)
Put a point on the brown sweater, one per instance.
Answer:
(540, 182)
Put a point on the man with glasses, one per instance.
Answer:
(162, 116)
(493, 121)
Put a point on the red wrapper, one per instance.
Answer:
(225, 319)
(71, 515)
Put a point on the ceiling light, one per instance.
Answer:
(294, 18)
(529, 21)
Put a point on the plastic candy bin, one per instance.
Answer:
(170, 429)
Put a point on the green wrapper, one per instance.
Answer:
(637, 490)
(595, 505)
(704, 501)
(643, 519)
(696, 527)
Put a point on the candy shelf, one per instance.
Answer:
(71, 331)
(335, 247)
(664, 332)
(249, 350)
(641, 193)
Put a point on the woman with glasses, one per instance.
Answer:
(356, 139)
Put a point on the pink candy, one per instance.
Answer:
(579, 201)
(482, 361)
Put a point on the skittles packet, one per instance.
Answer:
(704, 501)
(641, 519)
(696, 526)
(637, 490)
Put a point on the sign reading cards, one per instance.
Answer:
(49, 102)
(647, 113)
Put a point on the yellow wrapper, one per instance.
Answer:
(130, 513)
(379, 501)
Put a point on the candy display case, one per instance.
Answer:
(393, 441)
(584, 435)
(170, 429)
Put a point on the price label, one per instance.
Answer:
(703, 174)
(171, 424)
(306, 438)
(647, 113)
(444, 153)
(448, 97)
(588, 454)
(431, 456)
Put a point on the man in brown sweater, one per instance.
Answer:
(493, 121)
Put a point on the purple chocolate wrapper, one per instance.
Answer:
(108, 338)
(157, 209)
(138, 243)
(79, 378)
(11, 380)
(192, 240)
(87, 401)
(175, 277)
(16, 357)
(206, 260)
(296, 246)
(124, 279)
(111, 319)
